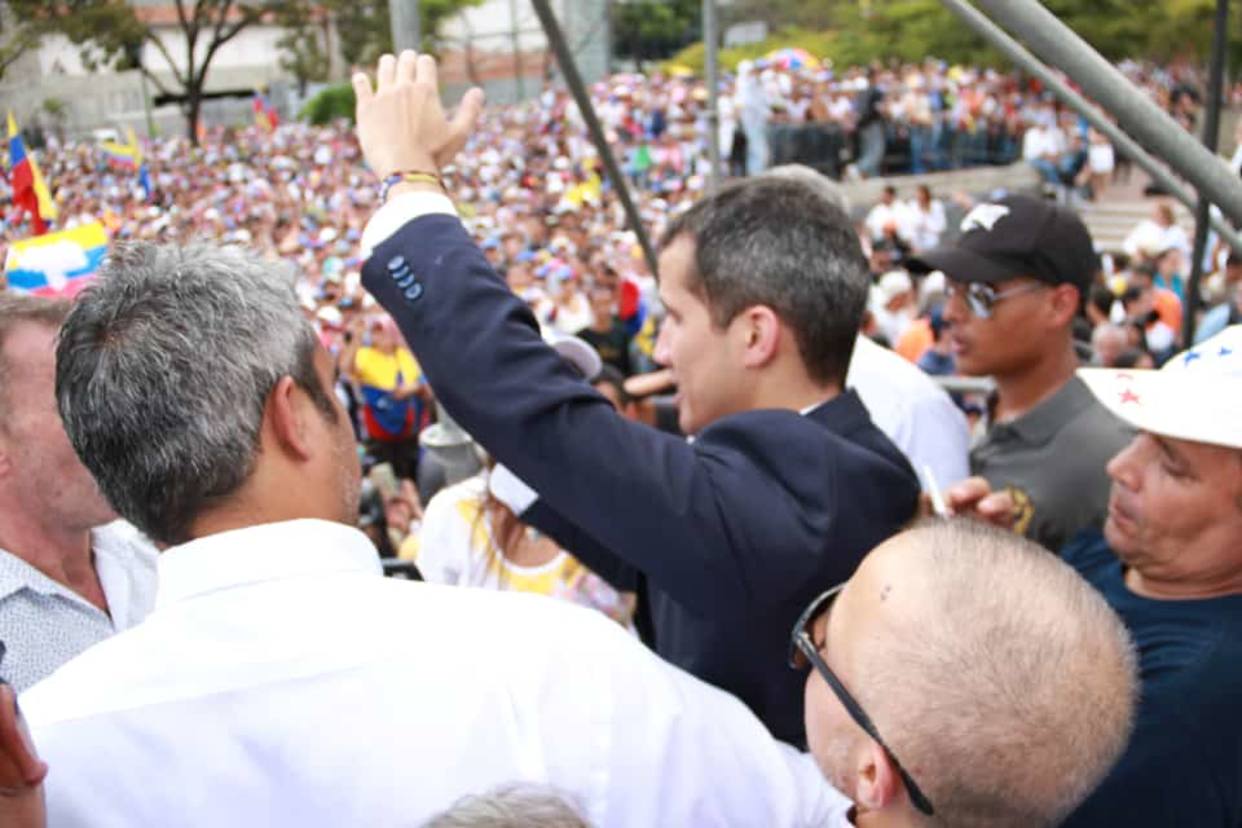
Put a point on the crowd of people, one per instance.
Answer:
(767, 633)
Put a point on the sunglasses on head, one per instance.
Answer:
(803, 651)
(981, 297)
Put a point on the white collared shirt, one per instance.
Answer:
(282, 681)
(44, 623)
(915, 413)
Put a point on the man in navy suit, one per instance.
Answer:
(786, 483)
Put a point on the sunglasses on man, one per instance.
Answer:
(803, 650)
(982, 298)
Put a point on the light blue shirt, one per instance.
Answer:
(43, 623)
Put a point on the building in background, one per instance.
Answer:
(499, 45)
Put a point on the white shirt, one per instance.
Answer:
(926, 226)
(281, 680)
(912, 410)
(882, 215)
(44, 623)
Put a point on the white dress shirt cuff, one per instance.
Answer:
(510, 490)
(399, 211)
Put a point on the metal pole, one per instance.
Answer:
(1058, 45)
(146, 104)
(517, 51)
(1211, 135)
(574, 81)
(1013, 50)
(406, 23)
(711, 42)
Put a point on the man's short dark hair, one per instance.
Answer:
(612, 376)
(779, 243)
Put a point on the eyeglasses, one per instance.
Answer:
(802, 650)
(981, 297)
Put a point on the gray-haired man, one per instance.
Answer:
(281, 679)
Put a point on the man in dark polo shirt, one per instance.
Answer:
(1016, 279)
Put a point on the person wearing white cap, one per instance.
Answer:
(1169, 561)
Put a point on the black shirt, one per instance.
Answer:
(613, 345)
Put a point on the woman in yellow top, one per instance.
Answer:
(469, 538)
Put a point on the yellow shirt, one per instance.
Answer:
(378, 370)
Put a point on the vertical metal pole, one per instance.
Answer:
(146, 103)
(406, 23)
(573, 79)
(1211, 135)
(518, 78)
(711, 42)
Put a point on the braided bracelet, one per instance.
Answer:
(414, 177)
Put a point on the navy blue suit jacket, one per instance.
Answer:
(735, 532)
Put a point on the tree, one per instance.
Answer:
(110, 32)
(654, 29)
(305, 41)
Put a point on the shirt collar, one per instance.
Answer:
(17, 574)
(843, 414)
(1041, 423)
(267, 552)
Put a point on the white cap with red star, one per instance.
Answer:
(1196, 396)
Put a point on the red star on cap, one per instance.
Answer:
(1129, 396)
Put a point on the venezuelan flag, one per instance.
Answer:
(122, 156)
(265, 116)
(57, 264)
(29, 190)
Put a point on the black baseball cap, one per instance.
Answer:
(1016, 236)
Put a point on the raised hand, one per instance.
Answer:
(401, 125)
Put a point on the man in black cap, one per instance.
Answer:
(1016, 279)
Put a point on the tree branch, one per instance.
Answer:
(168, 58)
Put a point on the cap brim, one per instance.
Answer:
(1170, 404)
(580, 354)
(960, 265)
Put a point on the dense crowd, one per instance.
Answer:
(1051, 667)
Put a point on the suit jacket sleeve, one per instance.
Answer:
(660, 504)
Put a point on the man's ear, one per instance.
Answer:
(1065, 302)
(877, 781)
(759, 330)
(286, 415)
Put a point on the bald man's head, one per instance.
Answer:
(999, 678)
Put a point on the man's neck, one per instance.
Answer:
(602, 324)
(1020, 392)
(797, 397)
(62, 554)
(1229, 583)
(888, 818)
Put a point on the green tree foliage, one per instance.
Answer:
(654, 29)
(330, 104)
(854, 32)
(304, 54)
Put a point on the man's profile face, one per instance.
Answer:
(1003, 342)
(692, 347)
(1174, 509)
(44, 464)
(342, 469)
